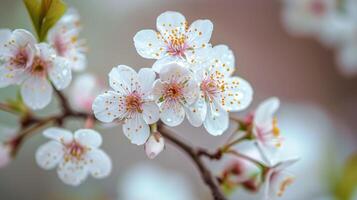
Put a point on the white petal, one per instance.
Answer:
(168, 21)
(23, 37)
(163, 62)
(347, 59)
(60, 135)
(146, 78)
(217, 119)
(78, 61)
(154, 145)
(136, 130)
(108, 106)
(149, 44)
(123, 79)
(36, 92)
(88, 138)
(222, 60)
(285, 164)
(191, 90)
(174, 71)
(264, 113)
(46, 52)
(10, 75)
(5, 157)
(60, 74)
(49, 154)
(5, 35)
(172, 115)
(150, 112)
(196, 113)
(72, 172)
(100, 164)
(199, 33)
(238, 94)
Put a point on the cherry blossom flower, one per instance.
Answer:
(131, 102)
(17, 52)
(220, 92)
(76, 155)
(306, 17)
(174, 92)
(30, 65)
(278, 179)
(174, 41)
(63, 37)
(88, 86)
(154, 145)
(265, 129)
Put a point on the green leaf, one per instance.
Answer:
(45, 14)
(348, 181)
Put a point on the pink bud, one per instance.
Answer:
(5, 157)
(154, 145)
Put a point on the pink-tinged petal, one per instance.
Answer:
(174, 71)
(49, 154)
(199, 33)
(72, 172)
(217, 119)
(169, 21)
(172, 115)
(136, 129)
(222, 60)
(46, 52)
(58, 134)
(164, 62)
(154, 146)
(87, 85)
(237, 95)
(151, 112)
(36, 92)
(158, 89)
(100, 164)
(196, 113)
(123, 79)
(146, 79)
(88, 138)
(149, 44)
(108, 106)
(60, 74)
(264, 114)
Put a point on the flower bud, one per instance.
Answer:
(5, 156)
(154, 145)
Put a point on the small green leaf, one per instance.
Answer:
(45, 14)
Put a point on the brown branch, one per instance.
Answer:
(7, 108)
(195, 155)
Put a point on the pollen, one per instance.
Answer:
(276, 130)
(285, 183)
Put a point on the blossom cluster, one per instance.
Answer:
(333, 22)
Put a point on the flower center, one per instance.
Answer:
(39, 67)
(173, 91)
(177, 45)
(318, 7)
(133, 103)
(74, 150)
(209, 87)
(20, 59)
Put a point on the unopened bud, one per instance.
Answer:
(154, 145)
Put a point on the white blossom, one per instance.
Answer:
(64, 38)
(220, 92)
(174, 92)
(131, 102)
(31, 65)
(175, 41)
(75, 155)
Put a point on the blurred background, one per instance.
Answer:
(318, 115)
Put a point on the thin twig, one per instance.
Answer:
(6, 108)
(196, 158)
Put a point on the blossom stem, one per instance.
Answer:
(7, 108)
(195, 155)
